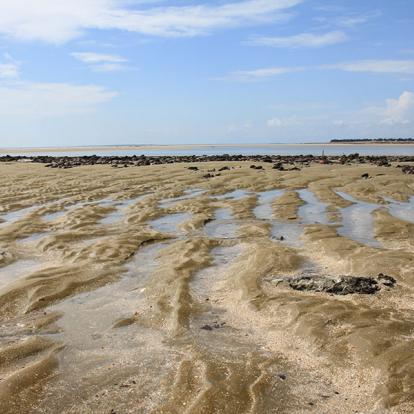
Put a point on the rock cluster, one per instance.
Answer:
(279, 161)
(343, 285)
(406, 169)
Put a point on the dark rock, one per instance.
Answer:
(207, 328)
(408, 169)
(386, 280)
(225, 168)
(282, 376)
(193, 168)
(279, 166)
(279, 160)
(365, 176)
(343, 285)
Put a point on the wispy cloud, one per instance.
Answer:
(376, 66)
(92, 57)
(339, 17)
(58, 21)
(100, 62)
(259, 74)
(355, 19)
(392, 67)
(43, 100)
(9, 69)
(311, 40)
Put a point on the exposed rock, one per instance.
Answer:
(365, 176)
(341, 285)
(279, 161)
(279, 166)
(407, 169)
(386, 280)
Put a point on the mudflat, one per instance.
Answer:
(222, 289)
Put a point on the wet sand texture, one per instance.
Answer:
(157, 290)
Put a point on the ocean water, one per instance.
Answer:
(274, 149)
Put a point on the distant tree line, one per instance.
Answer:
(373, 140)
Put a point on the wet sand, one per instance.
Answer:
(156, 290)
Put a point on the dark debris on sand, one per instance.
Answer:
(341, 285)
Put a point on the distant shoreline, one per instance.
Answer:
(185, 147)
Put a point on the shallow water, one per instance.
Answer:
(291, 233)
(206, 279)
(401, 210)
(170, 223)
(314, 211)
(357, 221)
(17, 270)
(188, 194)
(233, 195)
(263, 211)
(95, 312)
(33, 238)
(101, 335)
(121, 207)
(276, 149)
(13, 216)
(223, 226)
(54, 216)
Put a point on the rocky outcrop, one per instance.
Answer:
(279, 161)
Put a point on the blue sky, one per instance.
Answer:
(93, 72)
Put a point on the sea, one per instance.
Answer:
(274, 149)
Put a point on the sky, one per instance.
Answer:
(103, 72)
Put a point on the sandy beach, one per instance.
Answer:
(154, 289)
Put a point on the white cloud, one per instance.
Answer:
(301, 40)
(58, 21)
(108, 67)
(259, 74)
(50, 99)
(274, 122)
(352, 20)
(92, 57)
(401, 67)
(388, 118)
(376, 66)
(100, 62)
(400, 110)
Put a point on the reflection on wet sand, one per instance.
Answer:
(358, 221)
